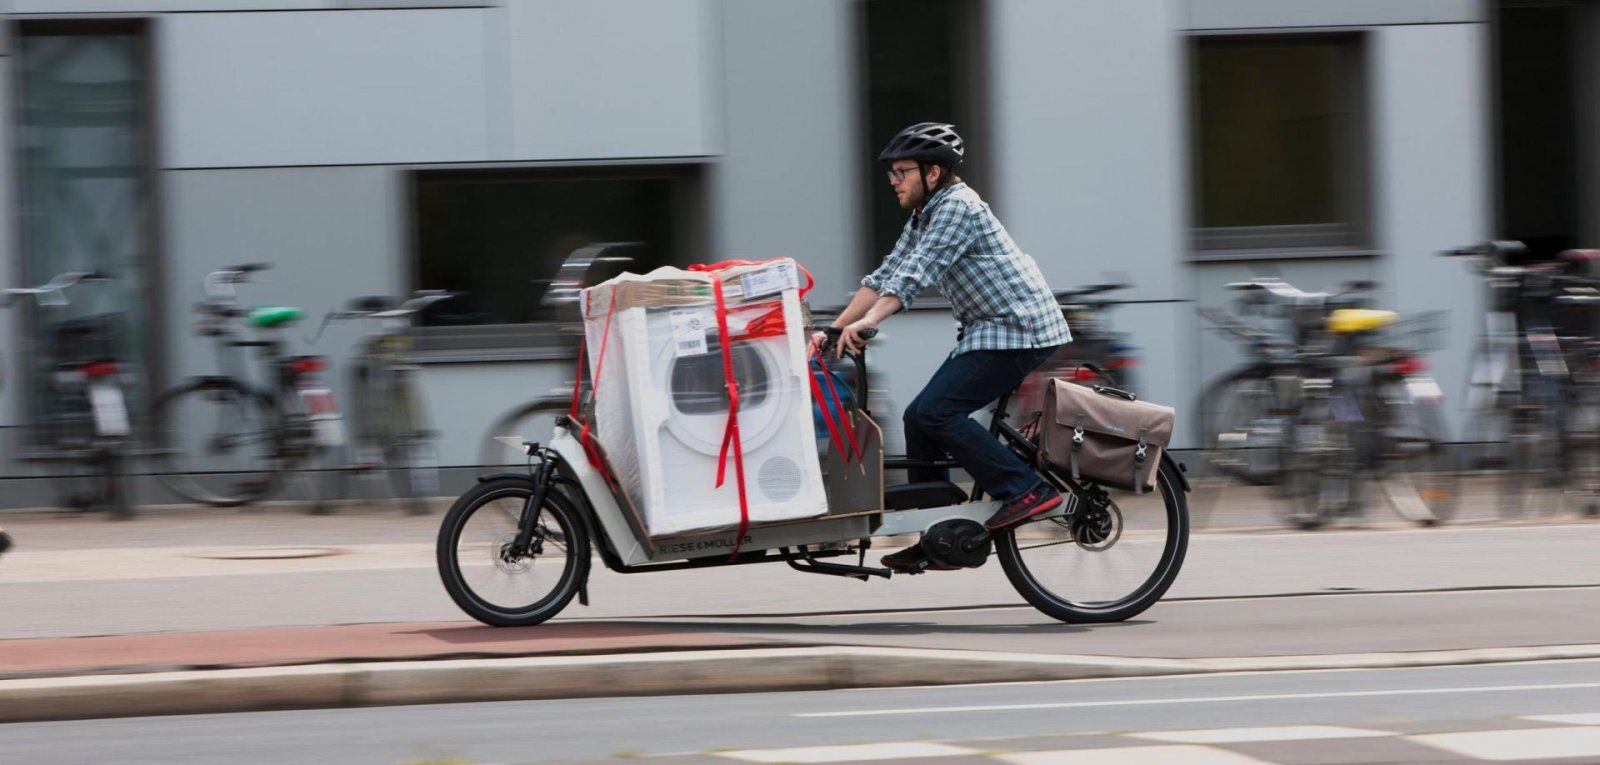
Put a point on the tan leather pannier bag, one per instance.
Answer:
(1103, 434)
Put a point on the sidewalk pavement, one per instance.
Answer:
(639, 649)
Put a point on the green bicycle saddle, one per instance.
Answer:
(268, 316)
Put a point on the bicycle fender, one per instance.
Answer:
(1183, 477)
(497, 476)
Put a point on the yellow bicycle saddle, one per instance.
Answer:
(1347, 321)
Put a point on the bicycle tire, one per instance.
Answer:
(536, 414)
(1259, 461)
(498, 528)
(256, 409)
(1013, 546)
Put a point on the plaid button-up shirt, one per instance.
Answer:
(998, 295)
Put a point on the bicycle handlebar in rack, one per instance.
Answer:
(51, 293)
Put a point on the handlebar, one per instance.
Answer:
(1078, 293)
(1494, 249)
(379, 308)
(833, 334)
(50, 293)
(219, 284)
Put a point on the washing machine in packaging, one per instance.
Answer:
(661, 403)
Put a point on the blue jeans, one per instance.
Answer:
(939, 423)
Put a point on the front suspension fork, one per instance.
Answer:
(528, 524)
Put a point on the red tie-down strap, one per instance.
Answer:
(730, 435)
(830, 404)
(585, 439)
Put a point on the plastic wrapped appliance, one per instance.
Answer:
(661, 401)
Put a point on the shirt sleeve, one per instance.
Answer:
(874, 280)
(949, 233)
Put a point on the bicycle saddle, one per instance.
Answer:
(1349, 321)
(371, 304)
(270, 316)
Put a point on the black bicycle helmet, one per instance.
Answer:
(934, 143)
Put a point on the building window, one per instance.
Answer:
(1279, 145)
(499, 236)
(906, 84)
(87, 197)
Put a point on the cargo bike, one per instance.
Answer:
(517, 548)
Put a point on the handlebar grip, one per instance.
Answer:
(250, 268)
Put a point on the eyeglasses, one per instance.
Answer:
(896, 176)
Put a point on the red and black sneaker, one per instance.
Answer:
(1036, 502)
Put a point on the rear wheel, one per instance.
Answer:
(500, 586)
(1114, 558)
(218, 442)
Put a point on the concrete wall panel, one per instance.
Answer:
(1247, 14)
(1088, 131)
(263, 89)
(1433, 174)
(628, 78)
(787, 185)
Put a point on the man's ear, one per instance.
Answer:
(935, 174)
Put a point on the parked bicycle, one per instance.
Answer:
(390, 414)
(224, 440)
(1343, 400)
(81, 419)
(583, 267)
(1535, 377)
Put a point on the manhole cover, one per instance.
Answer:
(270, 553)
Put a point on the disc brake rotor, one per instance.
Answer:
(504, 560)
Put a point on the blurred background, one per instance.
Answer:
(380, 147)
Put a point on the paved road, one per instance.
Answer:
(1400, 711)
(77, 578)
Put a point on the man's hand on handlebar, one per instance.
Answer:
(853, 337)
(830, 340)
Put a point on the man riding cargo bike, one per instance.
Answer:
(694, 446)
(1010, 322)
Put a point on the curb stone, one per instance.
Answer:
(667, 673)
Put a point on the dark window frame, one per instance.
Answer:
(539, 340)
(1348, 238)
(964, 33)
(152, 366)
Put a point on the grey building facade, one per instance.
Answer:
(375, 147)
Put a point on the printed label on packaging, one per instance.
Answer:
(688, 331)
(777, 277)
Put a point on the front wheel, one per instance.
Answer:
(501, 586)
(1114, 558)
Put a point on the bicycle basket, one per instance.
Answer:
(1418, 333)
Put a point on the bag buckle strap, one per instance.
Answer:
(1077, 433)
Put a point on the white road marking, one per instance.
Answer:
(1505, 745)
(1278, 733)
(849, 753)
(1585, 719)
(1195, 700)
(1133, 755)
